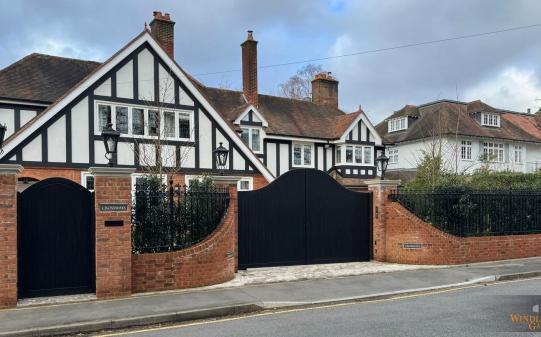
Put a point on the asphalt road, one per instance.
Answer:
(472, 311)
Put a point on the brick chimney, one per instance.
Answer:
(249, 69)
(325, 90)
(163, 30)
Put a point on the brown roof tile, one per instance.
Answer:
(452, 117)
(42, 78)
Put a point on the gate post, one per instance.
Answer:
(8, 234)
(112, 193)
(380, 198)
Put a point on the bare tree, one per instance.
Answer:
(299, 86)
(153, 151)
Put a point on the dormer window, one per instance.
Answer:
(490, 119)
(397, 124)
(252, 138)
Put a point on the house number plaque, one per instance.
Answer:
(410, 245)
(113, 207)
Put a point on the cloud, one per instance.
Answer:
(208, 34)
(513, 89)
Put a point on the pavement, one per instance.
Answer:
(196, 304)
(468, 311)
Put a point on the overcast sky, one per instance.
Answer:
(502, 70)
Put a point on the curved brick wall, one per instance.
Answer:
(437, 247)
(208, 262)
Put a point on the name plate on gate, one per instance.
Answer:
(410, 245)
(113, 207)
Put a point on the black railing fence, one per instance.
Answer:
(475, 213)
(173, 217)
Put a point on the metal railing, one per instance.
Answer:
(475, 213)
(176, 217)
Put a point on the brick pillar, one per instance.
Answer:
(380, 198)
(8, 234)
(231, 183)
(112, 188)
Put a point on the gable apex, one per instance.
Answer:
(102, 70)
(247, 111)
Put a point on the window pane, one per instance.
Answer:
(89, 183)
(367, 155)
(307, 155)
(349, 154)
(297, 154)
(358, 155)
(122, 119)
(245, 136)
(244, 185)
(169, 123)
(153, 121)
(104, 115)
(138, 121)
(256, 146)
(338, 154)
(184, 126)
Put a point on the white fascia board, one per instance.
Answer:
(7, 101)
(258, 114)
(371, 128)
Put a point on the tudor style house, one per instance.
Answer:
(55, 109)
(469, 136)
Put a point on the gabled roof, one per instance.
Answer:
(42, 78)
(101, 70)
(448, 117)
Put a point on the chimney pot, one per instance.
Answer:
(249, 69)
(163, 30)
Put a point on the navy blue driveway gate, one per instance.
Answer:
(304, 217)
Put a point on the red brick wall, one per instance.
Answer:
(44, 173)
(8, 240)
(441, 248)
(211, 261)
(113, 244)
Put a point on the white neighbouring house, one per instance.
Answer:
(470, 135)
(55, 109)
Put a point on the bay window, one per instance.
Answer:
(354, 155)
(302, 154)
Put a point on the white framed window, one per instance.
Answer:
(518, 154)
(354, 154)
(392, 153)
(87, 180)
(244, 184)
(145, 122)
(397, 124)
(493, 151)
(490, 119)
(302, 154)
(465, 150)
(252, 138)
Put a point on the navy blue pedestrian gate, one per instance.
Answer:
(304, 217)
(55, 239)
